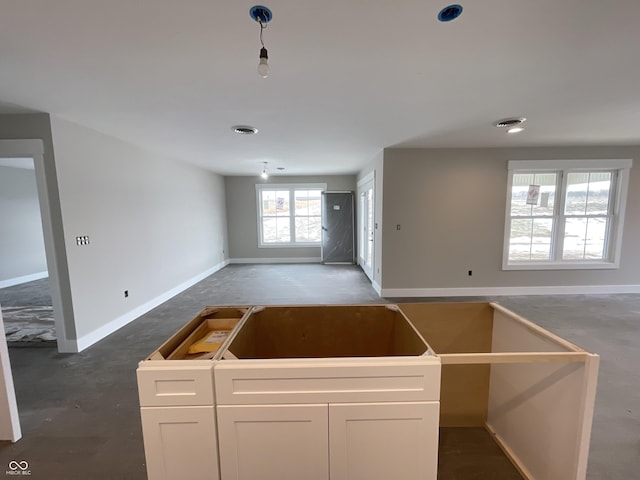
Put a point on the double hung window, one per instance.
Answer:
(289, 215)
(565, 214)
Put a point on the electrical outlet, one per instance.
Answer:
(126, 294)
(470, 272)
(82, 240)
(398, 227)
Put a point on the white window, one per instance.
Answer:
(289, 215)
(565, 214)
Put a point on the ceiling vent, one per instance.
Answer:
(509, 122)
(244, 130)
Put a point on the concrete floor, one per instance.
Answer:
(25, 294)
(80, 413)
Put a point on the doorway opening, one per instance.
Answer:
(33, 149)
(25, 297)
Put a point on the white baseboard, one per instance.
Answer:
(87, 340)
(502, 291)
(277, 260)
(24, 279)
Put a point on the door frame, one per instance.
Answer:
(34, 148)
(364, 184)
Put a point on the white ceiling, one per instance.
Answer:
(348, 77)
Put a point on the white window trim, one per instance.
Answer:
(283, 186)
(616, 230)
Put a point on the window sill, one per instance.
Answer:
(561, 266)
(290, 245)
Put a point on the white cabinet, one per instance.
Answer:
(273, 442)
(365, 441)
(353, 392)
(180, 442)
(177, 400)
(291, 388)
(370, 441)
(178, 420)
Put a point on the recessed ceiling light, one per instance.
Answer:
(244, 129)
(510, 122)
(515, 130)
(280, 168)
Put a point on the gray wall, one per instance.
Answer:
(21, 239)
(451, 207)
(154, 223)
(242, 217)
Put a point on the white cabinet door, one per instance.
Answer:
(180, 442)
(381, 441)
(273, 442)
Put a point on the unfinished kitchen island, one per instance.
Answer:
(313, 392)
(357, 392)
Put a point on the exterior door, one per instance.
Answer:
(337, 227)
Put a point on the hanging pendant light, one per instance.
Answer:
(264, 173)
(263, 66)
(262, 15)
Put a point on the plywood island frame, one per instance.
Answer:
(360, 391)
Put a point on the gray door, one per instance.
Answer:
(337, 227)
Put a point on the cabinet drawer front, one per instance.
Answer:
(340, 380)
(189, 385)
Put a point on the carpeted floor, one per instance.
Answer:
(28, 314)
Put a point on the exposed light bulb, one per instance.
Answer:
(264, 174)
(263, 66)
